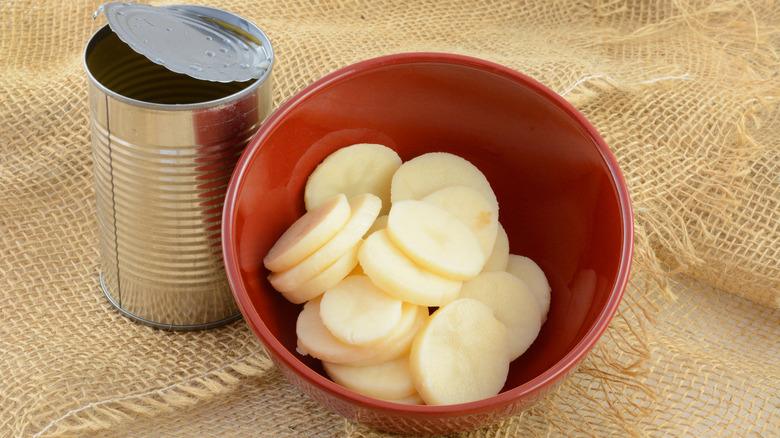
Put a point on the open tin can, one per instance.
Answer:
(175, 94)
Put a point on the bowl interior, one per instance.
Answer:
(561, 196)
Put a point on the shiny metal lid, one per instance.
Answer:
(204, 43)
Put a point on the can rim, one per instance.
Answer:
(101, 33)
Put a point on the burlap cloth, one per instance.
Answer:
(685, 93)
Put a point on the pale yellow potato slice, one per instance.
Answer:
(379, 223)
(316, 340)
(399, 342)
(357, 270)
(435, 239)
(473, 209)
(499, 257)
(512, 303)
(390, 269)
(386, 380)
(532, 275)
(353, 170)
(308, 233)
(326, 279)
(365, 209)
(412, 399)
(460, 355)
(432, 171)
(357, 312)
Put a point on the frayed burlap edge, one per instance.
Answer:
(114, 412)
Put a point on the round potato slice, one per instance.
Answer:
(308, 233)
(353, 170)
(435, 239)
(399, 342)
(473, 209)
(499, 257)
(390, 269)
(328, 278)
(386, 380)
(512, 303)
(426, 173)
(365, 209)
(460, 355)
(316, 340)
(532, 275)
(357, 312)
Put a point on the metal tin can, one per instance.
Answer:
(164, 146)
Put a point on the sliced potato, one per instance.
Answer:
(399, 342)
(316, 340)
(357, 270)
(512, 303)
(435, 239)
(308, 233)
(379, 223)
(412, 399)
(353, 170)
(460, 355)
(532, 275)
(473, 209)
(357, 312)
(499, 257)
(326, 279)
(390, 269)
(365, 209)
(386, 380)
(426, 173)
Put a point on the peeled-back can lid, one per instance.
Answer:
(201, 42)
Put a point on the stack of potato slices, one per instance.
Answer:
(410, 292)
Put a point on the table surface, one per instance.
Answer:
(685, 94)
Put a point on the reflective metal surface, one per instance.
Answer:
(202, 42)
(164, 147)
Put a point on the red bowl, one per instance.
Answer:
(563, 202)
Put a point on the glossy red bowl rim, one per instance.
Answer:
(535, 385)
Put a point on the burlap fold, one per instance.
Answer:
(684, 92)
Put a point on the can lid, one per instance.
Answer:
(201, 42)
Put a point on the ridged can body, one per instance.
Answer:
(164, 147)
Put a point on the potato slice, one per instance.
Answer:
(316, 340)
(426, 173)
(512, 303)
(399, 342)
(357, 312)
(353, 170)
(412, 399)
(328, 278)
(473, 209)
(460, 355)
(435, 239)
(532, 275)
(379, 223)
(365, 209)
(386, 380)
(499, 257)
(308, 233)
(357, 270)
(390, 269)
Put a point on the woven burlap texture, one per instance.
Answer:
(685, 93)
